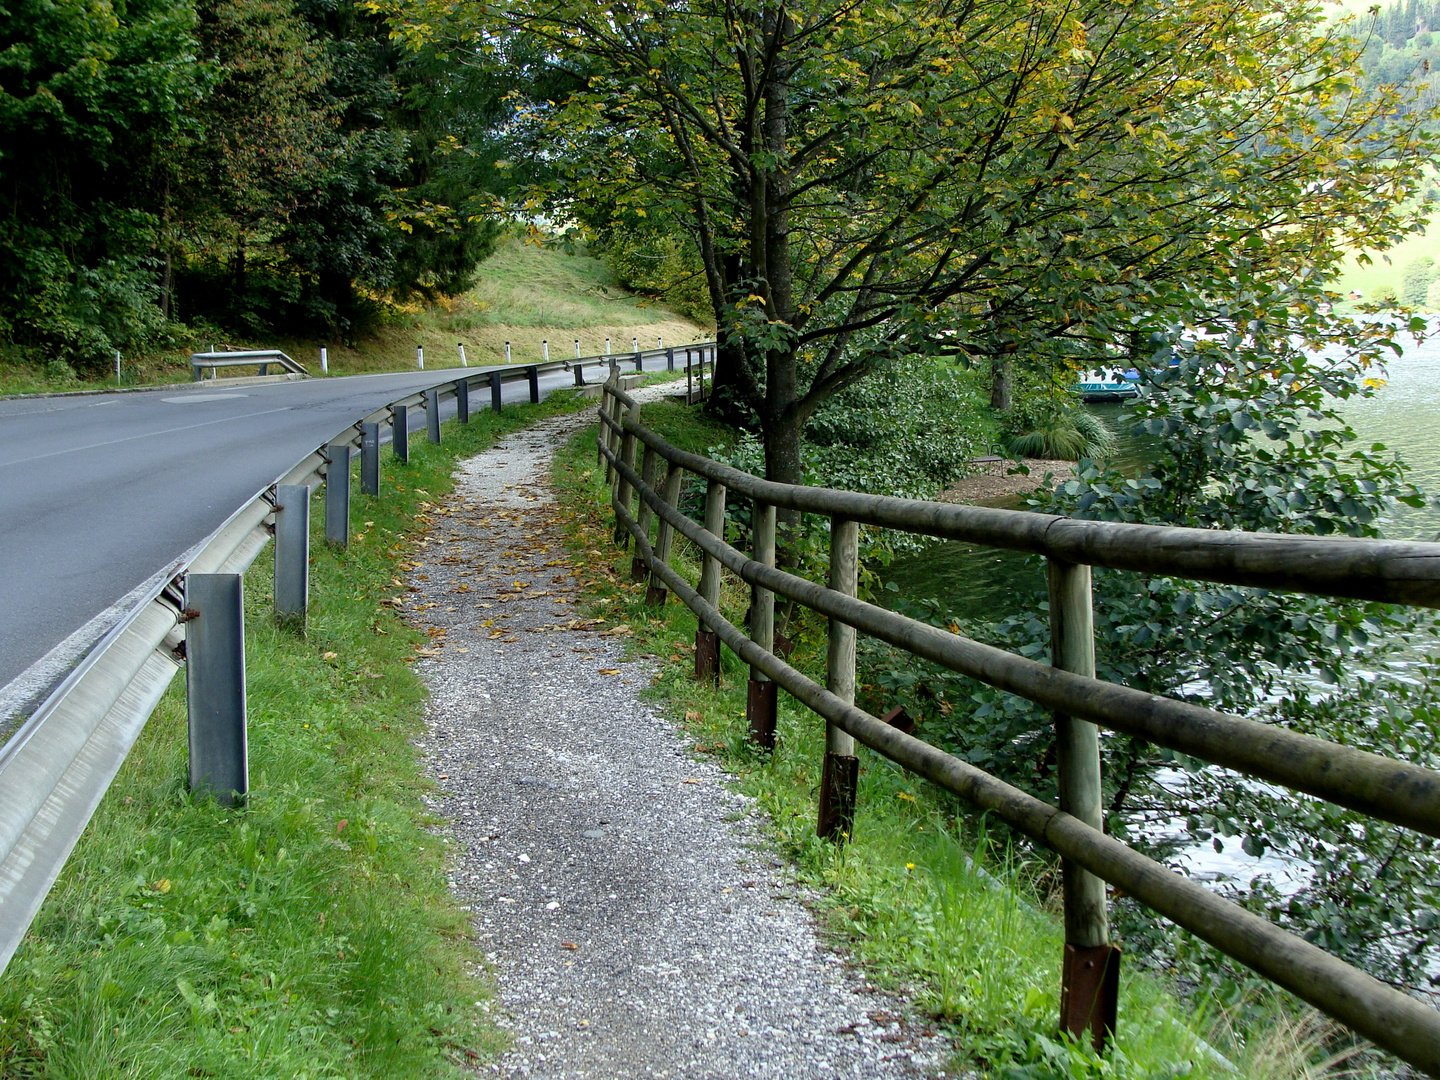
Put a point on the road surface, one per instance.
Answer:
(100, 494)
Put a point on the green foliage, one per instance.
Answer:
(92, 98)
(256, 163)
(865, 182)
(1249, 435)
(657, 263)
(1047, 429)
(1415, 284)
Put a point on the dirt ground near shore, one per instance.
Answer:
(998, 480)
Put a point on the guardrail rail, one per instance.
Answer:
(646, 495)
(56, 767)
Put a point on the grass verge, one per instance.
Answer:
(524, 295)
(311, 934)
(920, 895)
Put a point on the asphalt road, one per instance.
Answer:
(99, 494)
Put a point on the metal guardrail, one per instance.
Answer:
(1404, 573)
(57, 765)
(201, 361)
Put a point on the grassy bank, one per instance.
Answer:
(524, 295)
(928, 900)
(310, 934)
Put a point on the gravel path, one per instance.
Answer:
(638, 924)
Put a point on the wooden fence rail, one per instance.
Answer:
(1394, 791)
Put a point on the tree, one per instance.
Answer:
(93, 102)
(860, 177)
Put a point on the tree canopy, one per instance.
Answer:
(251, 163)
(863, 180)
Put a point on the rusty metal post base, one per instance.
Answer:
(707, 656)
(1090, 992)
(760, 711)
(638, 570)
(839, 778)
(655, 596)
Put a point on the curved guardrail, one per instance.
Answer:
(58, 764)
(1395, 791)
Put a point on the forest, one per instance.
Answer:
(226, 166)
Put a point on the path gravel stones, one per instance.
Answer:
(637, 922)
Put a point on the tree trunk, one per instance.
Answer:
(1001, 382)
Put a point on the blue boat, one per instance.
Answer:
(1107, 384)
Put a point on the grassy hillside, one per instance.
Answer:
(525, 295)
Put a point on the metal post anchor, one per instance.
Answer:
(760, 708)
(707, 656)
(1090, 992)
(839, 781)
(215, 686)
(292, 554)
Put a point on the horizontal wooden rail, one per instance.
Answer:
(1395, 791)
(1392, 571)
(1391, 1019)
(1375, 785)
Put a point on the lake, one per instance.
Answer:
(1404, 415)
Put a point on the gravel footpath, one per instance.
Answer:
(638, 924)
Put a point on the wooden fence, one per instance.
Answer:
(1394, 791)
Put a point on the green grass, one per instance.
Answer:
(932, 904)
(310, 934)
(524, 295)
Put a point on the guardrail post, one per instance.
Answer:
(669, 359)
(622, 486)
(1090, 975)
(462, 400)
(639, 361)
(215, 685)
(760, 704)
(400, 431)
(648, 468)
(337, 494)
(579, 374)
(432, 414)
(532, 373)
(292, 553)
(707, 642)
(370, 459)
(495, 385)
(840, 775)
(656, 592)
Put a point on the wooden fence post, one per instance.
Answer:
(1090, 975)
(665, 535)
(840, 775)
(760, 701)
(707, 642)
(649, 466)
